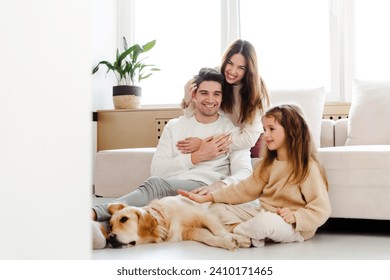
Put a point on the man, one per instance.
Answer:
(212, 166)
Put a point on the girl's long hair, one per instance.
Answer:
(300, 146)
(254, 93)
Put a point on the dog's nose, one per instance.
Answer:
(132, 243)
(112, 236)
(113, 242)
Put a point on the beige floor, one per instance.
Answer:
(324, 246)
(338, 240)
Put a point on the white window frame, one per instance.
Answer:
(126, 24)
(230, 22)
(342, 38)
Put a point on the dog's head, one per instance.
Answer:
(131, 225)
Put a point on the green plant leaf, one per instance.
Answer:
(148, 46)
(125, 46)
(128, 67)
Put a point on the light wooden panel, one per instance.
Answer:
(119, 129)
(336, 110)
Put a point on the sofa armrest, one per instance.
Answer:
(327, 133)
(340, 132)
(118, 172)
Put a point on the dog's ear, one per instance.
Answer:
(114, 207)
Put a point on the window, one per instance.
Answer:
(188, 36)
(299, 43)
(291, 39)
(372, 48)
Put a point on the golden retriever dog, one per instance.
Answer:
(169, 219)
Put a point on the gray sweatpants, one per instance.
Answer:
(154, 187)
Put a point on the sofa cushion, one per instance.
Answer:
(369, 114)
(359, 180)
(258, 147)
(340, 132)
(118, 172)
(327, 133)
(310, 100)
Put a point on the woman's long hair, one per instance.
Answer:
(254, 93)
(300, 146)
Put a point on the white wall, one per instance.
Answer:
(45, 129)
(103, 47)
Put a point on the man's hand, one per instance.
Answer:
(189, 145)
(93, 215)
(196, 197)
(209, 189)
(286, 214)
(211, 147)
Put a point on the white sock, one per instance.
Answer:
(98, 239)
(257, 242)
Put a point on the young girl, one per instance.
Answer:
(289, 183)
(245, 97)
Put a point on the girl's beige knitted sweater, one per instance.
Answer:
(309, 200)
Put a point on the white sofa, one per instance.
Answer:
(354, 151)
(359, 175)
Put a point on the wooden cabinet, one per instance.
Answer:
(137, 128)
(336, 110)
(117, 129)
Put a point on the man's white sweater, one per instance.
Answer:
(168, 162)
(244, 135)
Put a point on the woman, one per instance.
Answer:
(245, 97)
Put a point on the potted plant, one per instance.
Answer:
(129, 70)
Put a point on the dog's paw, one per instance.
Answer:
(242, 241)
(229, 242)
